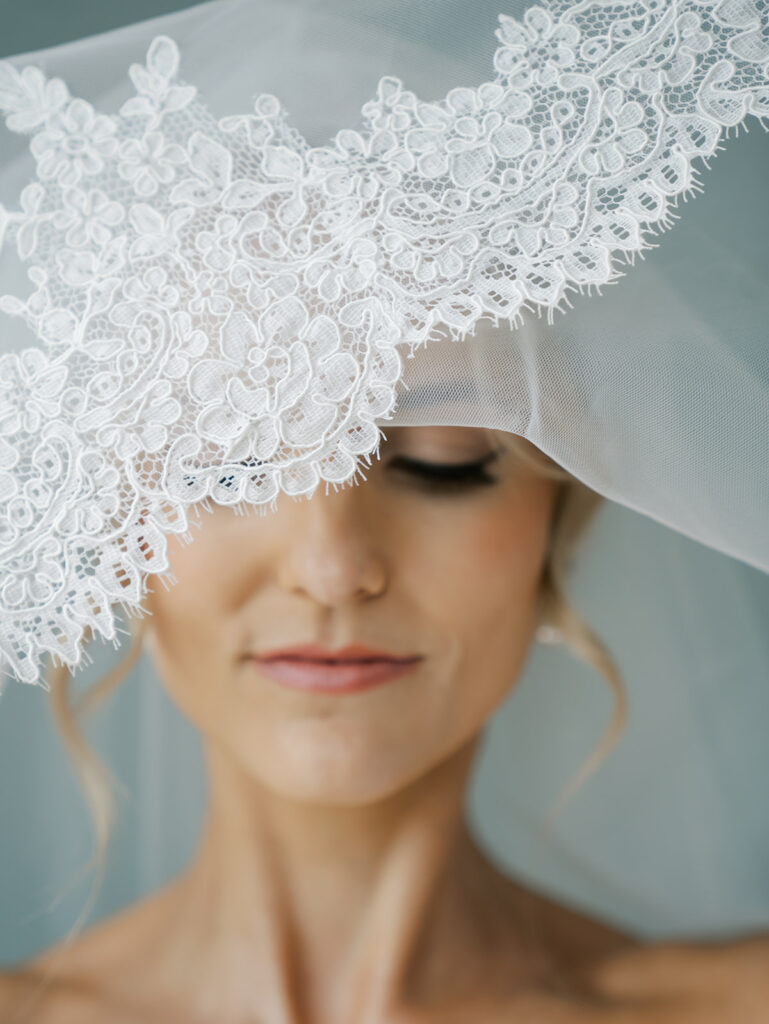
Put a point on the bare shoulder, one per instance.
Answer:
(10, 994)
(572, 939)
(23, 998)
(85, 980)
(725, 982)
(706, 983)
(27, 996)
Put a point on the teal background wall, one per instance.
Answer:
(40, 23)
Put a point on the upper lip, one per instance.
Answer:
(313, 652)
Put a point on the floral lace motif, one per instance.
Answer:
(221, 308)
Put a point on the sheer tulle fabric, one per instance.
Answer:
(223, 307)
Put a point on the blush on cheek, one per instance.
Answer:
(497, 542)
(509, 538)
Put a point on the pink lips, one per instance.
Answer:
(348, 670)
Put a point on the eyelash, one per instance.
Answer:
(447, 476)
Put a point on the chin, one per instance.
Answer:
(319, 762)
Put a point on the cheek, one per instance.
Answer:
(210, 572)
(189, 617)
(478, 569)
(484, 558)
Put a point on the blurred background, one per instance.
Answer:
(42, 23)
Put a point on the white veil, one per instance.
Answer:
(656, 393)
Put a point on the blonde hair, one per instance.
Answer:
(95, 780)
(574, 508)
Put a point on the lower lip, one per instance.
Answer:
(340, 678)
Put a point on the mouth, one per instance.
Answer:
(345, 671)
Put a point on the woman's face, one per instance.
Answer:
(405, 562)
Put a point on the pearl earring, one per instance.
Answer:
(547, 634)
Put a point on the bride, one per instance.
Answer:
(342, 658)
(196, 266)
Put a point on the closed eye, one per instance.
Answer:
(446, 474)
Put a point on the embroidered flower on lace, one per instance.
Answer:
(149, 162)
(537, 49)
(76, 144)
(88, 217)
(30, 387)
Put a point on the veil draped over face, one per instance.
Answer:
(239, 241)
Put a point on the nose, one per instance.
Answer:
(334, 552)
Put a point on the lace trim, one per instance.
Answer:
(221, 308)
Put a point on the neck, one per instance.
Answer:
(308, 913)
